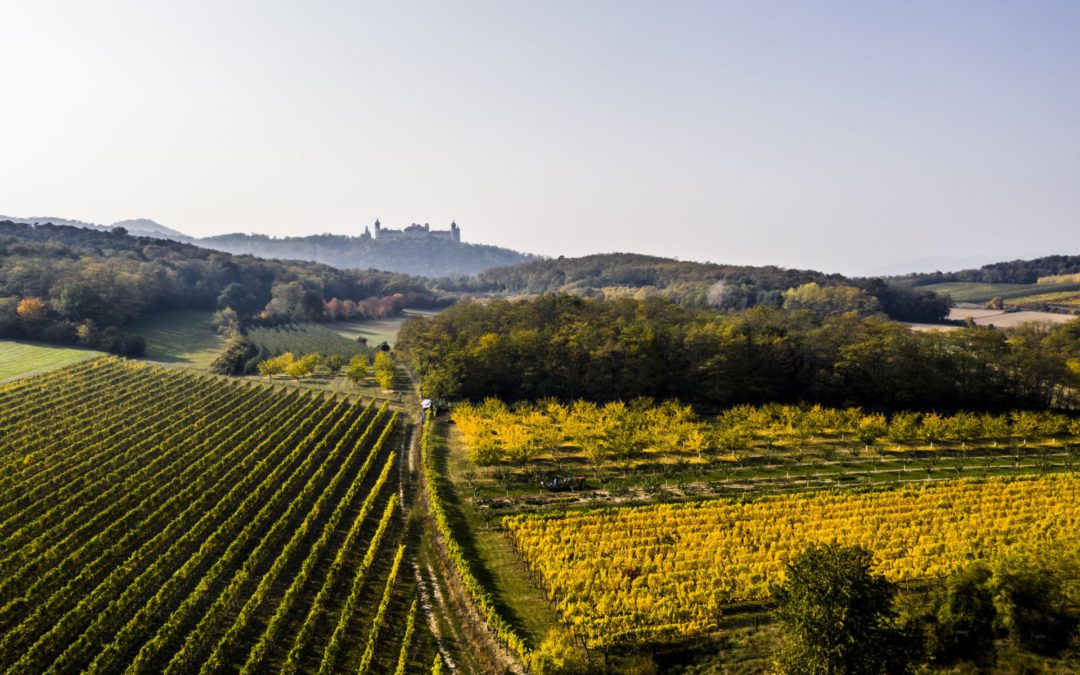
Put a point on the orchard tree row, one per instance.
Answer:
(496, 433)
(356, 369)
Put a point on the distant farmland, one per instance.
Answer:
(1003, 319)
(982, 293)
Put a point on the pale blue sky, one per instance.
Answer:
(841, 136)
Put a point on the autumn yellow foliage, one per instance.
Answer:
(624, 575)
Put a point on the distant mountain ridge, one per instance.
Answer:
(148, 226)
(432, 257)
(143, 227)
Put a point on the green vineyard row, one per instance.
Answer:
(160, 520)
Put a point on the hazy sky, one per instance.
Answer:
(839, 136)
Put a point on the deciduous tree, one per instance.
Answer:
(837, 614)
(384, 370)
(32, 313)
(357, 370)
(302, 367)
(275, 365)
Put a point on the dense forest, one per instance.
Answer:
(73, 285)
(1014, 272)
(694, 284)
(420, 256)
(569, 347)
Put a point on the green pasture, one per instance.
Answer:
(377, 330)
(181, 337)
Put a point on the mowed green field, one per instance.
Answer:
(377, 330)
(19, 358)
(182, 337)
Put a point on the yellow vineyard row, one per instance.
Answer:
(648, 573)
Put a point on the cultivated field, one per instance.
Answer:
(1000, 319)
(161, 520)
(668, 527)
(20, 358)
(928, 327)
(973, 313)
(981, 292)
(665, 451)
(1061, 298)
(666, 572)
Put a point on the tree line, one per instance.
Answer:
(355, 369)
(570, 347)
(496, 433)
(1012, 272)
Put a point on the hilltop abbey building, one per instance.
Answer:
(416, 231)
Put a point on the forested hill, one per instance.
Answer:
(1013, 272)
(73, 285)
(634, 270)
(419, 256)
(703, 285)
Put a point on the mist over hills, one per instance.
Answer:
(150, 228)
(430, 257)
(506, 269)
(142, 227)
